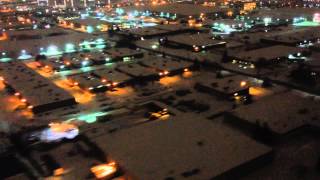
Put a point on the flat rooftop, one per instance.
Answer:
(181, 147)
(282, 112)
(148, 31)
(203, 39)
(228, 84)
(122, 52)
(33, 40)
(159, 30)
(286, 12)
(37, 90)
(88, 21)
(295, 36)
(179, 9)
(165, 64)
(85, 80)
(112, 75)
(136, 70)
(267, 53)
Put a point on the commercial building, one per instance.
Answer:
(36, 92)
(87, 82)
(191, 147)
(271, 55)
(228, 87)
(279, 114)
(194, 42)
(297, 37)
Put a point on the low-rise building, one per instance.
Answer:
(269, 55)
(35, 91)
(229, 87)
(279, 114)
(87, 82)
(191, 147)
(194, 42)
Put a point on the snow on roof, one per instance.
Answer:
(85, 80)
(122, 52)
(285, 13)
(160, 63)
(282, 112)
(36, 89)
(228, 84)
(179, 9)
(209, 56)
(268, 53)
(136, 70)
(295, 36)
(112, 75)
(89, 21)
(202, 39)
(179, 145)
(147, 31)
(158, 30)
(59, 39)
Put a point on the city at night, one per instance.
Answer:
(159, 89)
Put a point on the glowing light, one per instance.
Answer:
(243, 83)
(67, 63)
(196, 48)
(69, 48)
(53, 51)
(104, 170)
(307, 24)
(85, 63)
(85, 45)
(59, 172)
(59, 131)
(119, 11)
(316, 18)
(100, 41)
(90, 29)
(259, 91)
(223, 28)
(267, 21)
(3, 37)
(90, 117)
(24, 55)
(4, 58)
(162, 114)
(169, 81)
